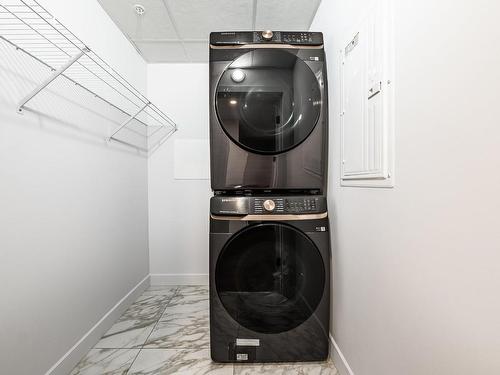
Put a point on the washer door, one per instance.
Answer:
(268, 101)
(270, 277)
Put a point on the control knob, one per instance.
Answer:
(269, 205)
(267, 35)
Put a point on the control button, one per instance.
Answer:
(267, 35)
(269, 205)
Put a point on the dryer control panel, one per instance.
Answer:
(266, 37)
(267, 205)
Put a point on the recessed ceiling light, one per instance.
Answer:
(139, 9)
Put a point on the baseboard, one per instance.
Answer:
(69, 360)
(339, 359)
(179, 279)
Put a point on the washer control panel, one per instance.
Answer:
(266, 36)
(264, 205)
(299, 38)
(302, 205)
(267, 205)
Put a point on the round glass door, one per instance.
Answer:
(270, 277)
(268, 101)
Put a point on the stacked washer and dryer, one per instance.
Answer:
(269, 231)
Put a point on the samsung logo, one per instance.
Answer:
(229, 200)
(233, 33)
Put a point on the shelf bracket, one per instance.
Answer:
(127, 121)
(52, 77)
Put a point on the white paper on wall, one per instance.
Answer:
(191, 159)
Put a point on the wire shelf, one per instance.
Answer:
(31, 29)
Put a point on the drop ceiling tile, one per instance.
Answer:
(197, 51)
(160, 52)
(195, 19)
(296, 15)
(153, 24)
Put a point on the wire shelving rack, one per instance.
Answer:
(32, 30)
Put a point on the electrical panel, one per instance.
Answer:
(367, 102)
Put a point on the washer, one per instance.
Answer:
(269, 279)
(268, 112)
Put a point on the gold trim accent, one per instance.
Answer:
(271, 217)
(270, 45)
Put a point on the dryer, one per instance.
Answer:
(268, 112)
(269, 279)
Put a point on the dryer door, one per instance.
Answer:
(270, 277)
(268, 101)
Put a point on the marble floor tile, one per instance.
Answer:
(134, 326)
(165, 290)
(182, 362)
(106, 362)
(187, 303)
(147, 307)
(306, 368)
(186, 290)
(166, 331)
(184, 324)
(182, 331)
(126, 334)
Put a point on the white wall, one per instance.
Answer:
(178, 209)
(73, 211)
(417, 267)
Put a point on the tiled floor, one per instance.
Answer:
(166, 331)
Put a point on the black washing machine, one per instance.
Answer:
(269, 279)
(268, 112)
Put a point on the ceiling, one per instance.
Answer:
(178, 30)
